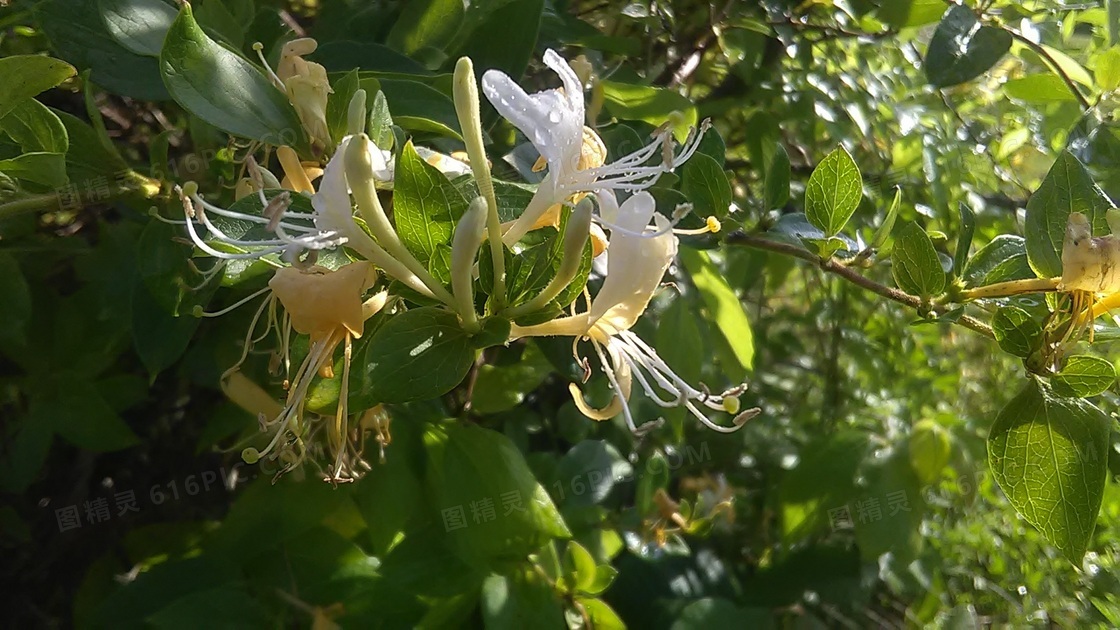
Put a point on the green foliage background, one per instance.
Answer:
(908, 142)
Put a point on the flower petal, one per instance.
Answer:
(636, 264)
(551, 119)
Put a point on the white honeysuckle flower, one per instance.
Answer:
(640, 253)
(553, 121)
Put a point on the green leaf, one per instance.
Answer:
(338, 105)
(417, 355)
(503, 387)
(722, 303)
(216, 607)
(964, 240)
(914, 263)
(1039, 88)
(507, 38)
(823, 480)
(426, 24)
(1067, 188)
(480, 475)
(962, 49)
(45, 169)
(833, 192)
(911, 13)
(522, 600)
(706, 186)
(712, 612)
(15, 307)
(602, 616)
(1049, 456)
(1107, 69)
(1016, 331)
(138, 25)
(777, 179)
(24, 76)
(426, 208)
(223, 89)
(580, 566)
(344, 56)
(429, 110)
(588, 472)
(884, 231)
(79, 35)
(81, 416)
(380, 129)
(930, 448)
(1083, 376)
(1003, 258)
(159, 337)
(35, 128)
(885, 481)
(649, 104)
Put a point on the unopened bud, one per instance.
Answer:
(250, 455)
(356, 114)
(464, 250)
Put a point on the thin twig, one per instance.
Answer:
(835, 268)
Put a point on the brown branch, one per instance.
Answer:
(853, 276)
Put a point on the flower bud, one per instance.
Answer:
(464, 250)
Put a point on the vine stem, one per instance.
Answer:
(856, 278)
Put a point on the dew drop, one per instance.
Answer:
(554, 117)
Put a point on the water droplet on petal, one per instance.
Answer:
(554, 117)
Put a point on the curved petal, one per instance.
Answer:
(636, 264)
(332, 201)
(551, 119)
(320, 301)
(620, 377)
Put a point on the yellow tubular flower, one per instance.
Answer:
(307, 87)
(328, 307)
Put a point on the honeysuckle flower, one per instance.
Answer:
(1090, 263)
(329, 307)
(1090, 270)
(307, 87)
(635, 269)
(332, 224)
(553, 121)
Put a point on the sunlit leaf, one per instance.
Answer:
(1049, 456)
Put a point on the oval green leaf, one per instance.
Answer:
(418, 355)
(1082, 376)
(24, 76)
(833, 192)
(1050, 457)
(1016, 332)
(493, 508)
(962, 49)
(915, 264)
(223, 89)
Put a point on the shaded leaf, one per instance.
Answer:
(962, 49)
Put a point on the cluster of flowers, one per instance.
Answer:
(331, 306)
